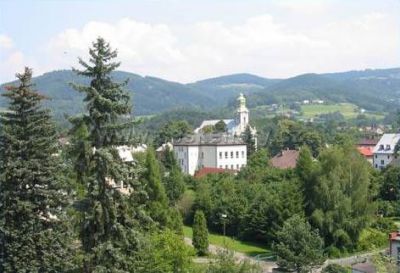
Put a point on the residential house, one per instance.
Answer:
(384, 150)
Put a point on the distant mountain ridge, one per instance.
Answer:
(373, 89)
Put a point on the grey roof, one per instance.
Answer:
(387, 144)
(230, 124)
(209, 140)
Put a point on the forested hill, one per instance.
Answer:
(370, 89)
(376, 90)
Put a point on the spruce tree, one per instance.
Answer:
(305, 172)
(200, 233)
(299, 248)
(157, 204)
(109, 232)
(249, 140)
(33, 230)
(173, 180)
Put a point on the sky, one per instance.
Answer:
(187, 40)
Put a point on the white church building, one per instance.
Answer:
(223, 151)
(235, 126)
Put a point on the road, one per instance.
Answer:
(239, 257)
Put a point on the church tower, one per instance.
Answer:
(242, 114)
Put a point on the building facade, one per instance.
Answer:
(384, 151)
(199, 151)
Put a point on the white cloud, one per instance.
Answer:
(307, 7)
(261, 44)
(5, 42)
(11, 59)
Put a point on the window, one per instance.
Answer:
(382, 162)
(237, 167)
(226, 154)
(376, 156)
(237, 154)
(220, 166)
(242, 154)
(226, 166)
(202, 154)
(232, 166)
(388, 157)
(220, 155)
(376, 166)
(231, 154)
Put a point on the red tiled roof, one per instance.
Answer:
(209, 170)
(286, 159)
(365, 151)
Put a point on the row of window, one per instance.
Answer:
(232, 166)
(232, 154)
(376, 156)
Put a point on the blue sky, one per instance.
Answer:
(190, 40)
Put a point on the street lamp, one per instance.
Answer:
(224, 216)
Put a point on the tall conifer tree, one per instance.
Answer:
(200, 233)
(109, 233)
(32, 225)
(249, 139)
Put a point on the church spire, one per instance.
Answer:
(242, 114)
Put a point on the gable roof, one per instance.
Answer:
(286, 159)
(210, 170)
(387, 144)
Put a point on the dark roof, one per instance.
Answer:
(208, 140)
(364, 267)
(209, 170)
(286, 159)
(367, 142)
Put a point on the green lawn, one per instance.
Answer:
(250, 249)
(348, 110)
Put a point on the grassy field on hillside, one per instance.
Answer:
(250, 249)
(348, 110)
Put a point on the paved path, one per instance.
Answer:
(240, 257)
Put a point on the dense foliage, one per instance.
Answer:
(125, 213)
(299, 248)
(34, 236)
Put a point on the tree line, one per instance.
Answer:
(82, 207)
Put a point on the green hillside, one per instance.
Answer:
(373, 90)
